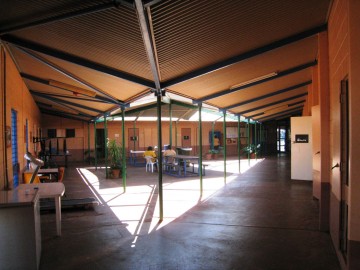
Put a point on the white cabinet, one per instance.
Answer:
(20, 234)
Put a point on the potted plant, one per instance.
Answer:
(115, 158)
(252, 150)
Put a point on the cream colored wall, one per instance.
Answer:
(19, 98)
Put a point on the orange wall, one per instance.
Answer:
(74, 145)
(338, 70)
(147, 134)
(344, 62)
(19, 98)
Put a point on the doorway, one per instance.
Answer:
(344, 165)
(283, 137)
(186, 137)
(100, 142)
(133, 139)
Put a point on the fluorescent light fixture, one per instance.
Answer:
(72, 88)
(272, 74)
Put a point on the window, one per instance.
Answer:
(51, 133)
(70, 132)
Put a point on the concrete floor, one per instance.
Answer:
(259, 220)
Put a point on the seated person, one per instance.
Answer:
(150, 152)
(168, 153)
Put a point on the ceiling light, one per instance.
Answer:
(76, 90)
(272, 74)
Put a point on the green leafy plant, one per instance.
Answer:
(114, 152)
(252, 149)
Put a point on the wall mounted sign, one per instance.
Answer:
(302, 138)
(186, 137)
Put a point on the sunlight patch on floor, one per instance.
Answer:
(139, 206)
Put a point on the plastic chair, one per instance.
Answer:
(150, 163)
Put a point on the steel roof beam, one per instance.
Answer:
(76, 60)
(61, 101)
(63, 115)
(271, 104)
(269, 95)
(97, 97)
(298, 108)
(245, 56)
(148, 42)
(281, 112)
(296, 112)
(74, 97)
(66, 106)
(61, 17)
(280, 74)
(61, 112)
(70, 75)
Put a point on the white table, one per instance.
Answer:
(48, 190)
(134, 155)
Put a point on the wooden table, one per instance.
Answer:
(48, 190)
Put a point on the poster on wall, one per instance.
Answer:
(232, 132)
(8, 136)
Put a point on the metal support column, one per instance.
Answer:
(89, 143)
(170, 124)
(123, 170)
(176, 144)
(256, 149)
(134, 137)
(224, 144)
(161, 210)
(200, 151)
(248, 139)
(239, 143)
(106, 146)
(212, 135)
(95, 150)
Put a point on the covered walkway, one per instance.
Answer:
(259, 220)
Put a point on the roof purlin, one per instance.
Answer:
(271, 104)
(61, 17)
(69, 74)
(269, 95)
(279, 74)
(58, 100)
(97, 98)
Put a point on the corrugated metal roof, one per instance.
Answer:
(111, 38)
(193, 34)
(202, 47)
